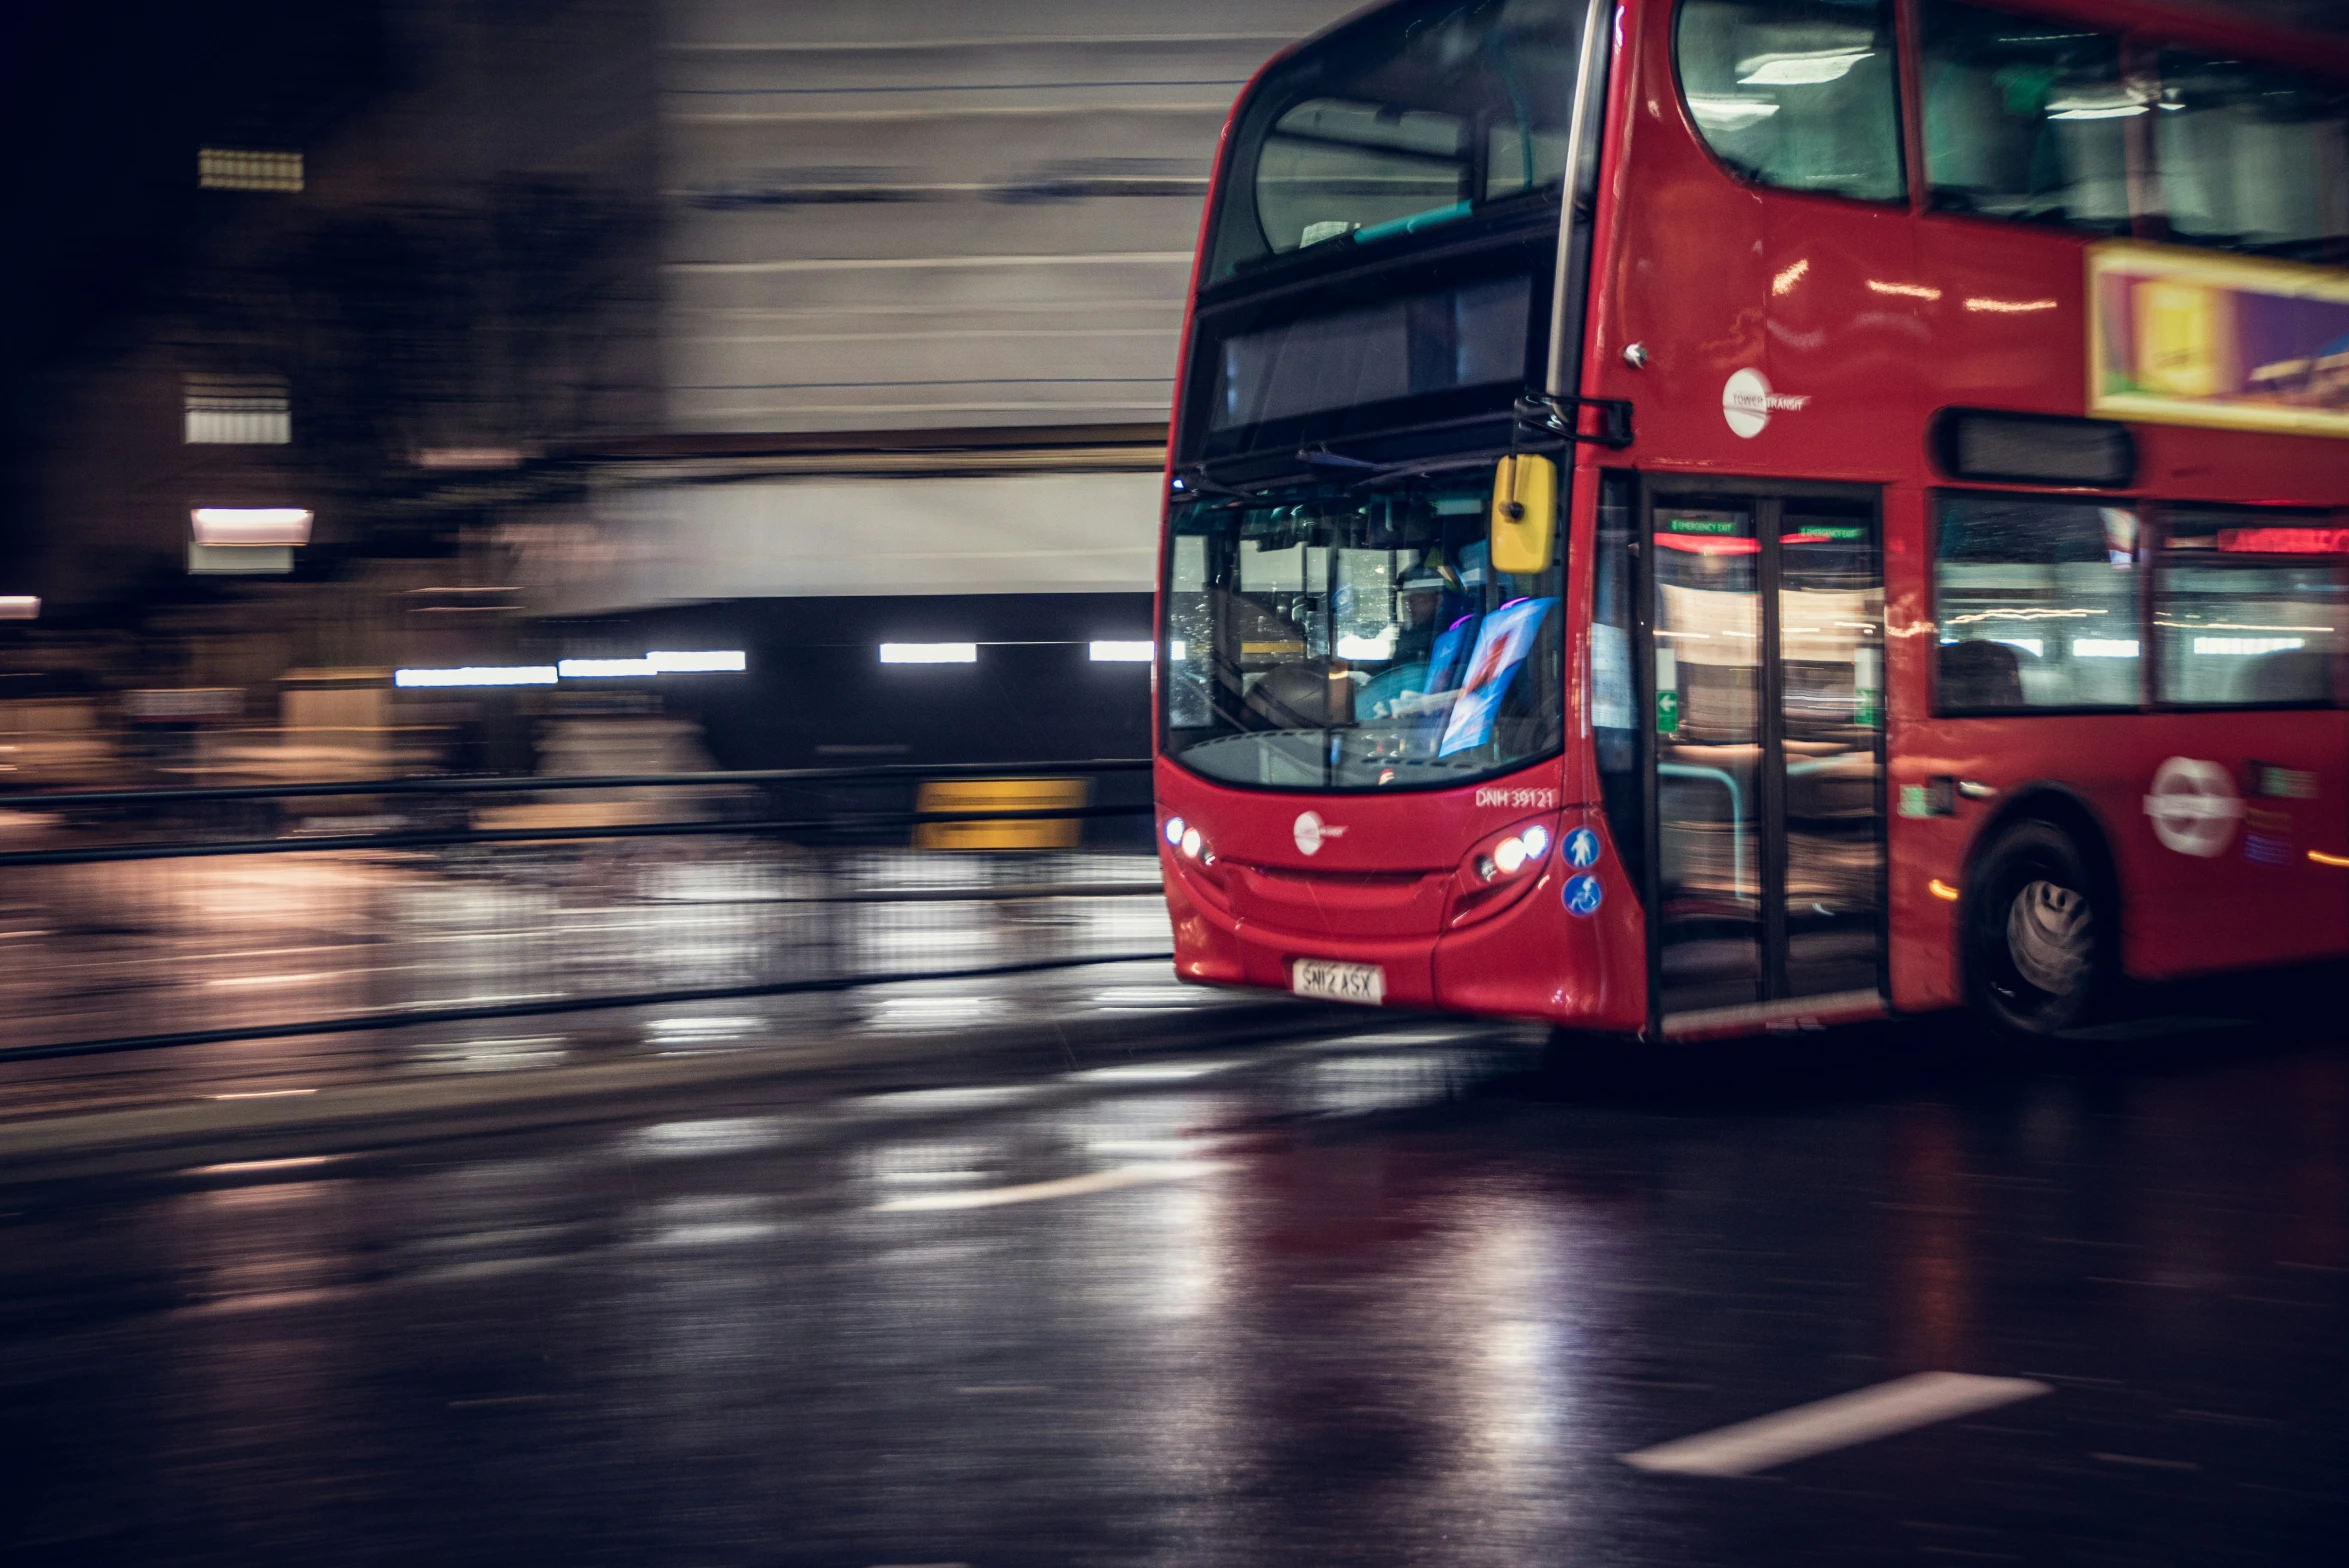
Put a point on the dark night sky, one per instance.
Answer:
(113, 102)
(105, 107)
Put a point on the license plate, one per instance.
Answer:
(1332, 981)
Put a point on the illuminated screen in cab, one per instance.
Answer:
(1330, 638)
(1436, 342)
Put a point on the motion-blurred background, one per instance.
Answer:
(588, 330)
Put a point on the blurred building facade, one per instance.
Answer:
(393, 288)
(923, 268)
(608, 324)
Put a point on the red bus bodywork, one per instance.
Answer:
(1874, 317)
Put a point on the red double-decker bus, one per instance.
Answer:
(1698, 515)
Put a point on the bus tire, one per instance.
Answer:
(2041, 934)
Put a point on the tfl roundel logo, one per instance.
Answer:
(2194, 807)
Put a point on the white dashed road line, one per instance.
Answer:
(1858, 1417)
(1066, 1187)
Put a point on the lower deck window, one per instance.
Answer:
(2249, 609)
(2038, 604)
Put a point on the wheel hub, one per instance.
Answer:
(2048, 936)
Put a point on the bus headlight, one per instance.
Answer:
(1519, 850)
(1174, 832)
(1498, 869)
(1193, 844)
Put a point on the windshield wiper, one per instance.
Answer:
(1323, 457)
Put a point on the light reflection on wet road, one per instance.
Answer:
(1375, 1300)
(877, 1016)
(93, 952)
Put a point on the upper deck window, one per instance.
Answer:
(1800, 94)
(2253, 158)
(1414, 117)
(2026, 119)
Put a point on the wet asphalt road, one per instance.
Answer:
(1399, 1299)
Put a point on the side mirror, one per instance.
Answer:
(1525, 513)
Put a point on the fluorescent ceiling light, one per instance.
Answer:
(714, 660)
(2118, 104)
(479, 675)
(578, 669)
(929, 653)
(251, 525)
(1808, 68)
(730, 660)
(2248, 647)
(20, 607)
(1729, 114)
(1121, 652)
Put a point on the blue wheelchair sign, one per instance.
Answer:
(1584, 895)
(1582, 849)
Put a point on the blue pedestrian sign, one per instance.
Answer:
(1582, 849)
(1584, 895)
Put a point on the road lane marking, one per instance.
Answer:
(252, 1167)
(1149, 1072)
(1065, 1187)
(1858, 1417)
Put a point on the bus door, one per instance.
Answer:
(1766, 643)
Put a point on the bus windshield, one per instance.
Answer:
(1329, 638)
(1409, 119)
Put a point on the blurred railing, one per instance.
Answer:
(132, 919)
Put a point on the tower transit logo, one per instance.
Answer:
(1747, 403)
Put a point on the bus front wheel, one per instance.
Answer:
(2040, 954)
